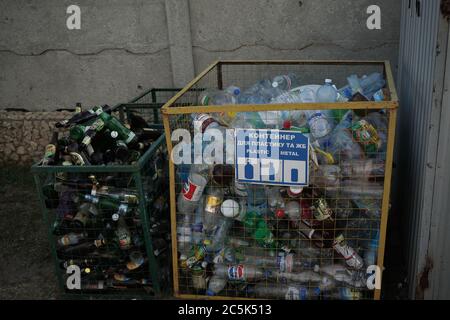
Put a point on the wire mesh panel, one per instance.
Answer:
(256, 223)
(108, 219)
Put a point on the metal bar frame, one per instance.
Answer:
(391, 105)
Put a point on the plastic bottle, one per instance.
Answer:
(285, 82)
(259, 229)
(319, 123)
(326, 175)
(341, 274)
(234, 90)
(274, 199)
(304, 276)
(217, 97)
(287, 292)
(362, 169)
(327, 92)
(256, 199)
(192, 191)
(342, 293)
(370, 256)
(216, 241)
(352, 259)
(71, 238)
(293, 211)
(242, 273)
(215, 285)
(211, 211)
(197, 224)
(283, 262)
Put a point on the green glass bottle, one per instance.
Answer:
(113, 124)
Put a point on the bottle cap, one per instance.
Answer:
(210, 293)
(328, 81)
(295, 190)
(230, 208)
(287, 124)
(115, 217)
(280, 213)
(275, 84)
(114, 134)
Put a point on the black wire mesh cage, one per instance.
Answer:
(108, 220)
(247, 229)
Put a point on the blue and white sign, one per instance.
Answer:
(274, 157)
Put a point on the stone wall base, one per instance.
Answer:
(24, 135)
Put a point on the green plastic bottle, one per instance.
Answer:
(259, 230)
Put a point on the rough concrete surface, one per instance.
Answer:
(123, 46)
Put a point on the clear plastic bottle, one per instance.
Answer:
(285, 81)
(370, 255)
(320, 123)
(216, 240)
(327, 92)
(293, 210)
(234, 90)
(215, 285)
(211, 210)
(304, 276)
(189, 198)
(244, 273)
(217, 97)
(285, 292)
(274, 199)
(362, 169)
(256, 199)
(197, 224)
(283, 262)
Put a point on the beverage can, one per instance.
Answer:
(366, 135)
(322, 211)
(191, 191)
(212, 203)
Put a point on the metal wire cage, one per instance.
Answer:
(125, 257)
(325, 241)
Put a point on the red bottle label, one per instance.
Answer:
(236, 273)
(191, 191)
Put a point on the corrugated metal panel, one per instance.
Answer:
(418, 130)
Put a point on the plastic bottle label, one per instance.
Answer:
(285, 262)
(202, 121)
(212, 203)
(292, 294)
(191, 191)
(236, 273)
(319, 125)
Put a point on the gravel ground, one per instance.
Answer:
(26, 266)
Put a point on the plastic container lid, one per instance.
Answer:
(295, 190)
(230, 208)
(280, 213)
(287, 124)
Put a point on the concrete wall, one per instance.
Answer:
(126, 46)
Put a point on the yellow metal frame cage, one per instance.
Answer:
(177, 106)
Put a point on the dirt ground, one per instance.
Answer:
(26, 266)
